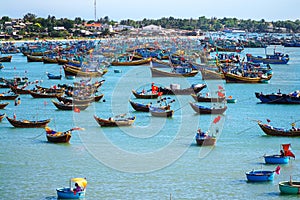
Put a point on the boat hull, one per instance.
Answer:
(64, 138)
(66, 193)
(287, 187)
(276, 159)
(208, 141)
(260, 176)
(269, 130)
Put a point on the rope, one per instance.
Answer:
(239, 133)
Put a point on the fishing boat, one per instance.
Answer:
(279, 98)
(260, 175)
(119, 120)
(5, 58)
(289, 187)
(73, 193)
(143, 95)
(8, 96)
(199, 98)
(2, 117)
(21, 90)
(176, 72)
(274, 131)
(141, 61)
(139, 106)
(27, 123)
(38, 94)
(174, 89)
(275, 58)
(282, 158)
(160, 112)
(3, 105)
(211, 74)
(58, 137)
(77, 71)
(31, 58)
(156, 63)
(52, 76)
(203, 139)
(70, 106)
(231, 100)
(239, 78)
(206, 110)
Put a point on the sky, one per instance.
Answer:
(117, 10)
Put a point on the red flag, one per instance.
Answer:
(76, 110)
(217, 119)
(289, 153)
(277, 170)
(220, 94)
(160, 93)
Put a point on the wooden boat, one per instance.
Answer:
(234, 78)
(260, 175)
(139, 106)
(37, 94)
(143, 61)
(112, 122)
(156, 63)
(2, 116)
(199, 98)
(142, 95)
(31, 58)
(58, 137)
(273, 131)
(52, 76)
(69, 106)
(9, 96)
(279, 98)
(194, 89)
(176, 72)
(48, 60)
(209, 74)
(206, 140)
(3, 105)
(72, 193)
(289, 187)
(206, 110)
(275, 58)
(21, 90)
(75, 71)
(5, 58)
(160, 112)
(27, 123)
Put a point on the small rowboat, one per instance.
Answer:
(289, 187)
(199, 98)
(206, 141)
(260, 175)
(139, 106)
(160, 112)
(276, 159)
(52, 76)
(273, 131)
(58, 137)
(144, 95)
(111, 122)
(206, 110)
(27, 123)
(9, 97)
(3, 105)
(160, 73)
(73, 193)
(2, 116)
(69, 106)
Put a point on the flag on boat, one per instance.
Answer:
(287, 150)
(277, 170)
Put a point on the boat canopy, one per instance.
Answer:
(82, 182)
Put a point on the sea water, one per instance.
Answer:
(156, 158)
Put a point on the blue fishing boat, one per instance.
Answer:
(73, 193)
(283, 158)
(260, 175)
(279, 98)
(52, 76)
(275, 58)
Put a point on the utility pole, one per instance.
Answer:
(95, 12)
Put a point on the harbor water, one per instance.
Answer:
(156, 158)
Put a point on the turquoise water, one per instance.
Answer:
(156, 158)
